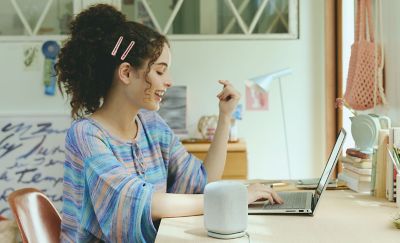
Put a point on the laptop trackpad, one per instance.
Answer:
(291, 200)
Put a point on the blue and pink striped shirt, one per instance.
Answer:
(109, 183)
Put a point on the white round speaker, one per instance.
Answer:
(225, 209)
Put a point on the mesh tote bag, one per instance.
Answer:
(364, 89)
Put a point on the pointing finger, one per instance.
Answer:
(224, 82)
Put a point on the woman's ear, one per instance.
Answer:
(124, 72)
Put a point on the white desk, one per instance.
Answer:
(341, 216)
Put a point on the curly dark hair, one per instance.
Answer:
(85, 66)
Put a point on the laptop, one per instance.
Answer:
(302, 202)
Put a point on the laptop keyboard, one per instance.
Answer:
(291, 200)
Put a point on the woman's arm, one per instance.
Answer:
(167, 205)
(216, 156)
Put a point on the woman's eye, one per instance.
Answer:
(160, 73)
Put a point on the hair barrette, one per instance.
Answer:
(114, 51)
(126, 52)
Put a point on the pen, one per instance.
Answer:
(277, 184)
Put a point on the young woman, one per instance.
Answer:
(125, 168)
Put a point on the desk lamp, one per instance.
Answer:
(264, 82)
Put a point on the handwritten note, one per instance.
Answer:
(32, 155)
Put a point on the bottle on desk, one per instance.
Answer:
(233, 132)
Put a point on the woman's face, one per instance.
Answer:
(148, 96)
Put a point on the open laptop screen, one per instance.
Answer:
(333, 157)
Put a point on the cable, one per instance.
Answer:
(248, 236)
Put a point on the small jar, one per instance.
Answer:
(210, 133)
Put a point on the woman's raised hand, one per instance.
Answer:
(228, 98)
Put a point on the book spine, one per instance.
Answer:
(373, 173)
(398, 189)
(394, 185)
(380, 169)
(389, 169)
(396, 144)
(357, 176)
(361, 171)
(355, 184)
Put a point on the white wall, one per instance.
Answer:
(199, 64)
(391, 40)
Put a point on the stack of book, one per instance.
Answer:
(357, 170)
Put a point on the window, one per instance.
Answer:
(34, 18)
(217, 19)
(179, 19)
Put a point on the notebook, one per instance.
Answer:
(302, 202)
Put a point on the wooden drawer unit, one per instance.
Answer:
(236, 159)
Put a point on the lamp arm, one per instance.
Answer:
(284, 129)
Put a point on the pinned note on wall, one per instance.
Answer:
(256, 98)
(50, 50)
(32, 154)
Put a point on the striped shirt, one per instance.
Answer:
(109, 183)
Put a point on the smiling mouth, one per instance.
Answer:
(160, 93)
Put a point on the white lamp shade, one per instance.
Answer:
(265, 81)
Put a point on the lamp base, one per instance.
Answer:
(226, 236)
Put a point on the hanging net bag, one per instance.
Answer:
(364, 89)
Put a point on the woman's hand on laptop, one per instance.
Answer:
(259, 191)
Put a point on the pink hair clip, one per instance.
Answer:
(128, 49)
(114, 51)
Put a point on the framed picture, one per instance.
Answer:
(174, 109)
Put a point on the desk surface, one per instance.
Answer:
(341, 216)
